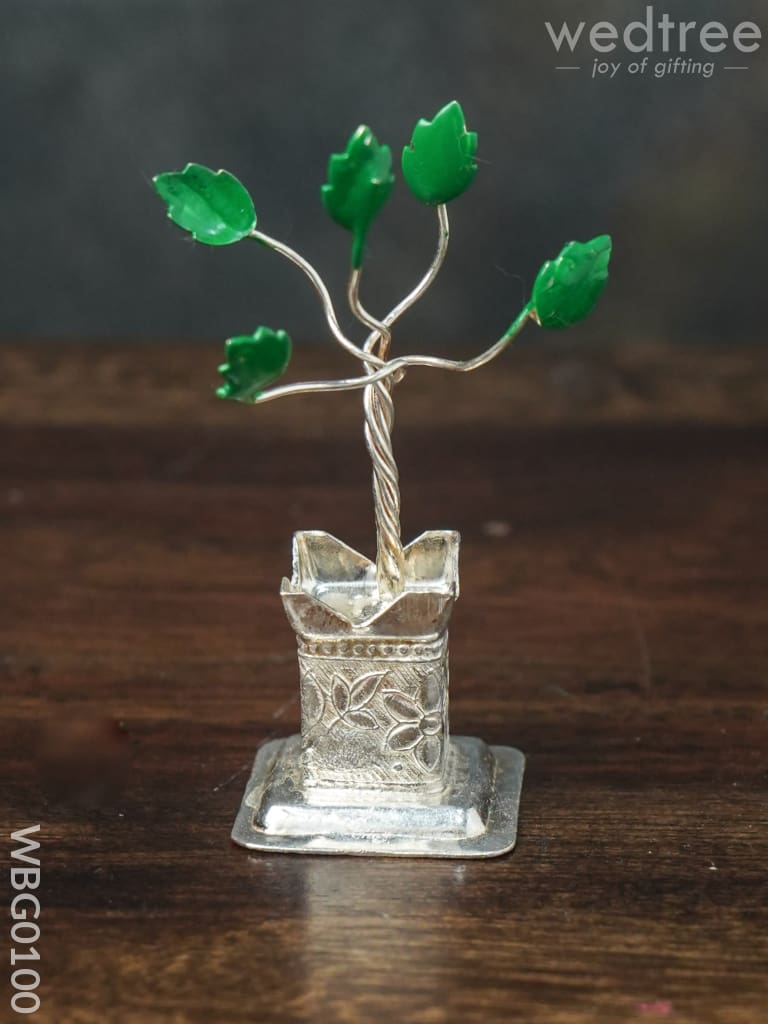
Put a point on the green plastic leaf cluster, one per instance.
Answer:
(359, 183)
(439, 163)
(438, 166)
(568, 287)
(253, 362)
(212, 205)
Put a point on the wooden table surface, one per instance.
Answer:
(613, 624)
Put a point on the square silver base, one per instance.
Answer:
(473, 815)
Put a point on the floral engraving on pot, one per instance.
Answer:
(312, 701)
(350, 700)
(418, 729)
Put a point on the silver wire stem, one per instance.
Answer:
(405, 304)
(319, 285)
(379, 420)
(381, 375)
(379, 412)
(397, 366)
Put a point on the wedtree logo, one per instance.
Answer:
(656, 34)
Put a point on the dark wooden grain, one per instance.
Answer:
(613, 624)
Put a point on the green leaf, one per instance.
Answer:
(253, 361)
(439, 163)
(359, 183)
(567, 288)
(212, 205)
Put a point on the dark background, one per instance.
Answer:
(97, 95)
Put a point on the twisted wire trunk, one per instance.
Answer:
(379, 412)
(379, 421)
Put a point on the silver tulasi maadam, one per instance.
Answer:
(375, 769)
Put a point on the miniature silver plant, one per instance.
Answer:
(373, 651)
